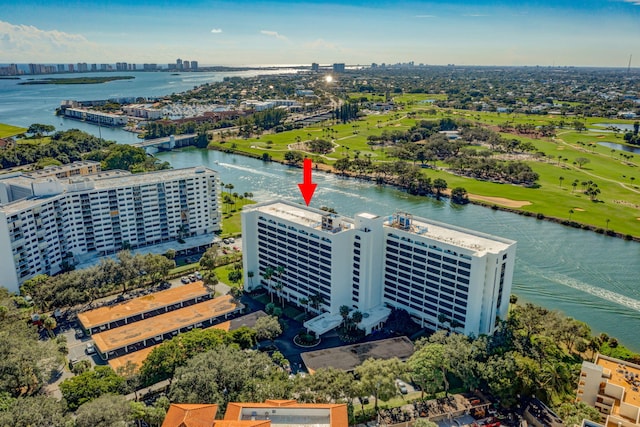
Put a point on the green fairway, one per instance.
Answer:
(616, 207)
(8, 130)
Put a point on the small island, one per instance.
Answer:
(75, 80)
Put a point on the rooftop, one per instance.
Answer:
(133, 333)
(144, 304)
(307, 217)
(190, 415)
(289, 413)
(350, 356)
(137, 357)
(623, 374)
(449, 234)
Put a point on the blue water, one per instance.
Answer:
(621, 147)
(587, 276)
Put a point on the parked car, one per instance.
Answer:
(226, 241)
(487, 422)
(91, 349)
(232, 240)
(192, 278)
(402, 387)
(185, 279)
(198, 275)
(79, 333)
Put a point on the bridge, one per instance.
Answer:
(168, 143)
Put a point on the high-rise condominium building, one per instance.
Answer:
(47, 219)
(441, 274)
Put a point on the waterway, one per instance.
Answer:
(585, 275)
(621, 147)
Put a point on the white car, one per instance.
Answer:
(232, 240)
(91, 349)
(198, 275)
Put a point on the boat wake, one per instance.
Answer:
(601, 293)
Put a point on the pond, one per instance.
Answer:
(628, 148)
(624, 127)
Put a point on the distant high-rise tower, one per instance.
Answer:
(194, 65)
(338, 67)
(179, 65)
(186, 65)
(315, 67)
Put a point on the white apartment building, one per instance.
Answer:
(441, 274)
(46, 221)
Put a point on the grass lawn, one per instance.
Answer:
(34, 141)
(187, 268)
(222, 273)
(615, 172)
(9, 130)
(231, 221)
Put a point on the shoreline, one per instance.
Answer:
(538, 216)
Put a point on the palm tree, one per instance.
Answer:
(344, 312)
(356, 318)
(50, 324)
(268, 274)
(250, 275)
(561, 178)
(304, 302)
(280, 271)
(570, 213)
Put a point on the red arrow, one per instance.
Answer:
(307, 187)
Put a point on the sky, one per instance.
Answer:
(258, 32)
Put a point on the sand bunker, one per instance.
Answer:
(500, 201)
(578, 209)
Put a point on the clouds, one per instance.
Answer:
(274, 34)
(216, 30)
(27, 43)
(633, 2)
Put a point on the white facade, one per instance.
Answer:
(45, 221)
(442, 275)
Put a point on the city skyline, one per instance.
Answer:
(593, 33)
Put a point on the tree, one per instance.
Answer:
(168, 356)
(459, 196)
(293, 157)
(423, 422)
(90, 385)
(428, 368)
(378, 378)
(209, 259)
(581, 161)
(440, 185)
(25, 362)
(561, 178)
(36, 411)
(227, 374)
(267, 275)
(344, 312)
(572, 413)
(250, 275)
(326, 385)
(234, 276)
(37, 129)
(106, 411)
(268, 328)
(49, 323)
